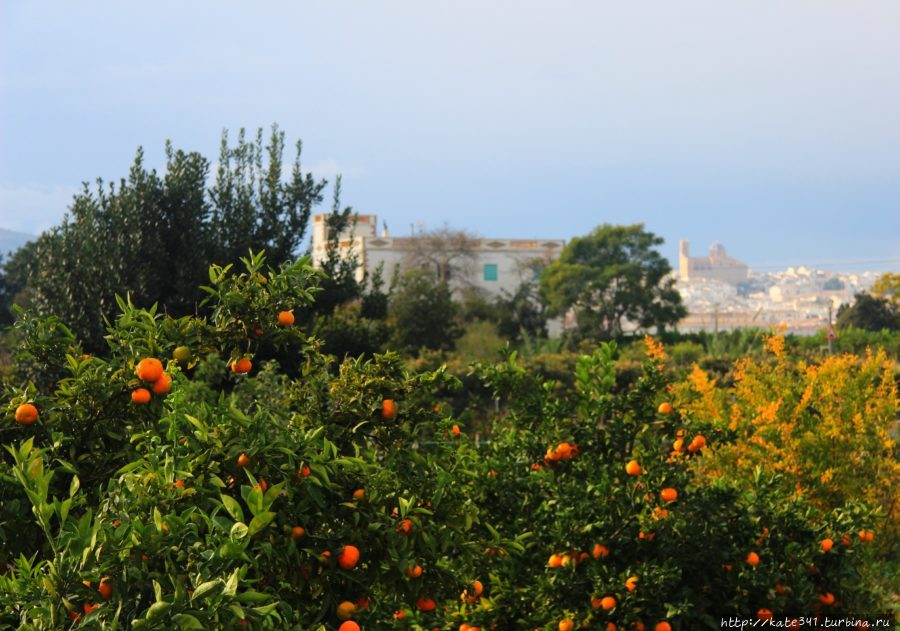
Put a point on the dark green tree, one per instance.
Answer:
(153, 235)
(870, 313)
(423, 313)
(522, 313)
(613, 276)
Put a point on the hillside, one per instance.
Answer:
(11, 241)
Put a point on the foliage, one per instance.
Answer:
(887, 286)
(238, 497)
(422, 313)
(612, 276)
(152, 235)
(870, 313)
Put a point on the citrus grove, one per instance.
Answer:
(223, 472)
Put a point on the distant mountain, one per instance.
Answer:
(11, 241)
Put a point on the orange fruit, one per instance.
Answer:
(405, 527)
(179, 484)
(456, 431)
(477, 587)
(764, 614)
(297, 532)
(399, 614)
(348, 558)
(105, 588)
(595, 602)
(414, 571)
(846, 541)
(664, 408)
(662, 626)
(26, 414)
(826, 544)
(608, 602)
(779, 589)
(303, 472)
(349, 626)
(698, 443)
(88, 608)
(555, 560)
(827, 598)
(285, 318)
(633, 468)
(243, 461)
(162, 385)
(241, 366)
(678, 445)
(669, 495)
(346, 610)
(425, 604)
(149, 369)
(388, 410)
(141, 396)
(600, 551)
(359, 495)
(753, 559)
(631, 583)
(566, 625)
(182, 354)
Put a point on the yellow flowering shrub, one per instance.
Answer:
(825, 426)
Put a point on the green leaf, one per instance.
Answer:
(207, 589)
(233, 507)
(232, 584)
(187, 621)
(261, 521)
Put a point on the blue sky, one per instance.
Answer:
(771, 126)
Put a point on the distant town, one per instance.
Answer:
(722, 293)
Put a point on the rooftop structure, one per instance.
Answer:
(492, 265)
(718, 265)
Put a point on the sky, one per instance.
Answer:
(767, 125)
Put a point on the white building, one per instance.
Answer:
(493, 265)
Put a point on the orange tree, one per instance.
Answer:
(621, 532)
(205, 490)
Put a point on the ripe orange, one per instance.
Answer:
(405, 527)
(631, 583)
(349, 626)
(243, 461)
(241, 366)
(303, 472)
(89, 607)
(477, 587)
(179, 484)
(388, 410)
(846, 541)
(141, 396)
(678, 445)
(456, 431)
(285, 318)
(346, 610)
(555, 560)
(566, 625)
(297, 532)
(425, 604)
(348, 558)
(105, 588)
(662, 626)
(414, 571)
(826, 544)
(399, 614)
(595, 602)
(26, 414)
(359, 495)
(633, 468)
(779, 589)
(608, 602)
(162, 385)
(149, 369)
(698, 443)
(600, 551)
(764, 614)
(827, 598)
(665, 408)
(866, 536)
(669, 495)
(753, 559)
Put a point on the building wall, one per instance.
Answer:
(717, 266)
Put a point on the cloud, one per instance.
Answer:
(329, 168)
(33, 209)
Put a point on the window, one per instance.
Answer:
(490, 271)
